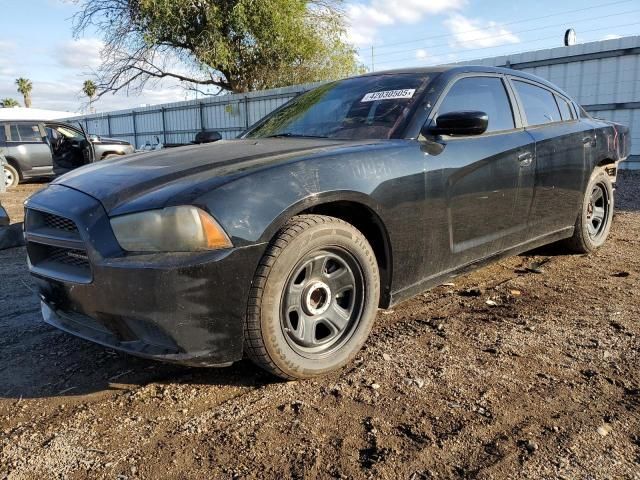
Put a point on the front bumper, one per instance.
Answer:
(180, 307)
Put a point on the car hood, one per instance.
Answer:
(152, 179)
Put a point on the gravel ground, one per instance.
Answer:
(544, 384)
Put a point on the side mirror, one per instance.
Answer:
(207, 137)
(94, 138)
(458, 123)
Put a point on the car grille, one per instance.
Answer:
(67, 256)
(55, 247)
(58, 223)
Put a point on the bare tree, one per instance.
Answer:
(234, 45)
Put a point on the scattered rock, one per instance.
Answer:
(418, 382)
(621, 274)
(529, 445)
(386, 357)
(534, 270)
(604, 430)
(470, 292)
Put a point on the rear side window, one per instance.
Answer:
(3, 136)
(539, 105)
(566, 112)
(484, 94)
(25, 132)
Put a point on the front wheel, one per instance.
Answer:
(594, 220)
(314, 298)
(11, 176)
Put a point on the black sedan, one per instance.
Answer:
(354, 196)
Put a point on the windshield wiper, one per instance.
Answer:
(294, 135)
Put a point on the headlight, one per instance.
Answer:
(173, 229)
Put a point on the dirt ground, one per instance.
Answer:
(544, 384)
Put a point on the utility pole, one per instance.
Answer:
(372, 66)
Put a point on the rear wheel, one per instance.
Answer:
(594, 221)
(314, 298)
(11, 176)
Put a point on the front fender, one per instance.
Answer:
(316, 200)
(254, 207)
(389, 182)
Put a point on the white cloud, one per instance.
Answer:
(366, 18)
(473, 33)
(421, 54)
(65, 94)
(83, 53)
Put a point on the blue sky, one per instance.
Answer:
(36, 39)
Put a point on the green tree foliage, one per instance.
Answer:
(236, 45)
(9, 103)
(24, 87)
(89, 89)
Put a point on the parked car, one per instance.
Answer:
(352, 197)
(205, 136)
(46, 149)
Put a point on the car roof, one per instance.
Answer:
(456, 69)
(48, 122)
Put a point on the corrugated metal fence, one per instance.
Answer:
(602, 76)
(179, 122)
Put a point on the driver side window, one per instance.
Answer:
(52, 133)
(484, 94)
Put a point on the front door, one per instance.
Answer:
(486, 181)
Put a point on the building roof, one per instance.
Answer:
(21, 113)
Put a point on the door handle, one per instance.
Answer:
(588, 141)
(525, 159)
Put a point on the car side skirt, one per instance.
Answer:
(439, 278)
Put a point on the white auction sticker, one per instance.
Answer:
(388, 95)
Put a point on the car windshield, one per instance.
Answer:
(70, 133)
(370, 107)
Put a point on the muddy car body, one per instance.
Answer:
(354, 196)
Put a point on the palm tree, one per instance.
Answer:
(24, 87)
(9, 103)
(89, 89)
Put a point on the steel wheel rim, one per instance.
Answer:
(8, 177)
(322, 302)
(598, 211)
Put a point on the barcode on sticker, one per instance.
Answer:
(388, 95)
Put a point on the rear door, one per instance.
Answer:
(487, 179)
(26, 140)
(563, 146)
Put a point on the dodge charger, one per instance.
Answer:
(282, 244)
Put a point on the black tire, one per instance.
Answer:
(594, 220)
(317, 274)
(11, 175)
